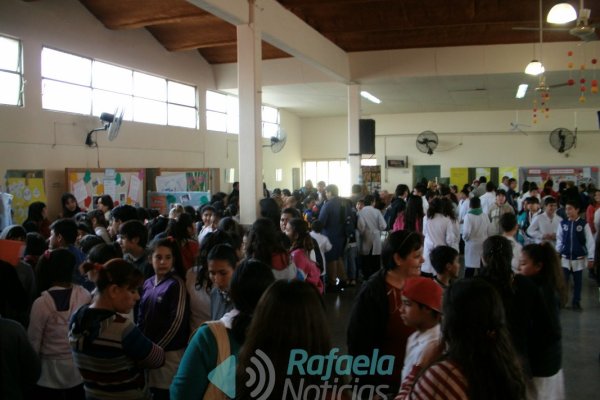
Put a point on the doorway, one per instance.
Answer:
(427, 172)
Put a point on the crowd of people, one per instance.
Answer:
(121, 302)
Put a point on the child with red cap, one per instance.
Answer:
(422, 310)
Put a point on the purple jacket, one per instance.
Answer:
(163, 315)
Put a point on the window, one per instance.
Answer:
(11, 72)
(223, 115)
(335, 172)
(82, 85)
(278, 174)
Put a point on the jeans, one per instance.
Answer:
(350, 254)
(577, 282)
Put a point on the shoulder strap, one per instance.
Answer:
(223, 351)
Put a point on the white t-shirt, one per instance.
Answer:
(416, 344)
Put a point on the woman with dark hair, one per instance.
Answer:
(440, 228)
(411, 218)
(375, 320)
(37, 219)
(69, 206)
(117, 369)
(215, 341)
(105, 204)
(541, 263)
(163, 314)
(182, 230)
(263, 244)
(529, 320)
(476, 360)
(290, 316)
(297, 231)
(49, 326)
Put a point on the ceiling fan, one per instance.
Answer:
(582, 29)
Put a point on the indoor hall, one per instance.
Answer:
(448, 77)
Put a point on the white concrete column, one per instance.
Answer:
(249, 55)
(353, 132)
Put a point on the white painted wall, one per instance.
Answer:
(467, 139)
(33, 138)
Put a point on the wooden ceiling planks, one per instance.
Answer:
(354, 25)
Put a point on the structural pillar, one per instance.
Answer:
(353, 132)
(249, 55)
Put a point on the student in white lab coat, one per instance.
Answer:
(475, 231)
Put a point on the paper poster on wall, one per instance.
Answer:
(134, 187)
(113, 182)
(6, 207)
(162, 201)
(487, 172)
(25, 191)
(197, 181)
(171, 183)
(511, 172)
(459, 177)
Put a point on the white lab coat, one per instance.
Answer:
(475, 231)
(370, 224)
(438, 231)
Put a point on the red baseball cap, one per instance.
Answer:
(424, 291)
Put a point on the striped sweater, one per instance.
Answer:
(441, 381)
(111, 354)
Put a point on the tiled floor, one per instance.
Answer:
(581, 338)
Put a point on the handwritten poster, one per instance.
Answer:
(25, 191)
(171, 183)
(134, 187)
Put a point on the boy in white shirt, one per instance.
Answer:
(421, 309)
(544, 226)
(510, 227)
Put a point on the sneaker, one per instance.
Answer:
(577, 307)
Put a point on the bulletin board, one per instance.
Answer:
(26, 187)
(162, 201)
(125, 186)
(183, 180)
(577, 175)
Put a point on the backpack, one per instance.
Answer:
(348, 219)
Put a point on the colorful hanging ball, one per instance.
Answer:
(594, 61)
(570, 53)
(571, 82)
(582, 99)
(582, 88)
(547, 109)
(582, 67)
(582, 80)
(570, 65)
(594, 82)
(535, 110)
(594, 89)
(535, 120)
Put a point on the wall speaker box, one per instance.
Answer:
(366, 132)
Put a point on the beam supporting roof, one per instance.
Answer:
(286, 31)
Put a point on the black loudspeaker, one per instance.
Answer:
(366, 133)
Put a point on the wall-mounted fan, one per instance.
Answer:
(277, 142)
(110, 123)
(563, 139)
(427, 142)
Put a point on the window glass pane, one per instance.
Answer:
(183, 116)
(278, 175)
(110, 77)
(216, 101)
(10, 87)
(216, 121)
(323, 171)
(104, 101)
(9, 48)
(150, 111)
(150, 87)
(310, 171)
(233, 115)
(269, 130)
(368, 162)
(270, 114)
(61, 96)
(182, 94)
(66, 67)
